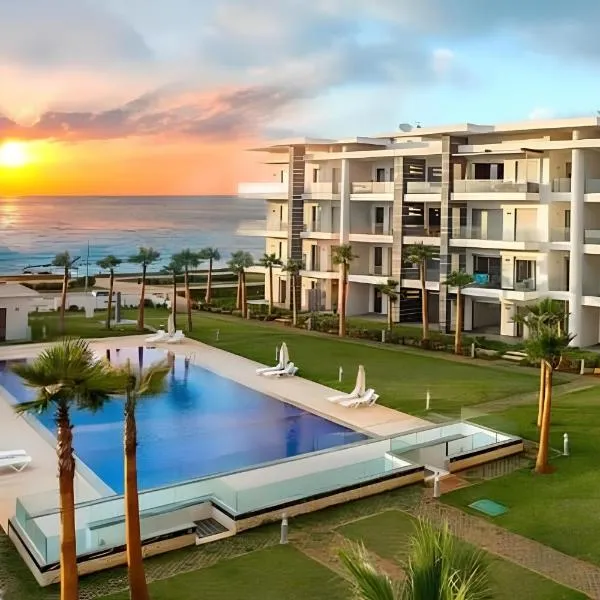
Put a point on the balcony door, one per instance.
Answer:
(377, 301)
(377, 261)
(379, 220)
(488, 171)
(335, 179)
(380, 175)
(524, 274)
(315, 218)
(314, 258)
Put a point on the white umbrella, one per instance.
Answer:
(284, 357)
(170, 325)
(361, 382)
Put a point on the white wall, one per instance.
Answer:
(17, 314)
(359, 299)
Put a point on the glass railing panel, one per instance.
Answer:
(592, 186)
(560, 234)
(561, 185)
(423, 187)
(592, 236)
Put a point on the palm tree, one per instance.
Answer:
(438, 568)
(343, 257)
(459, 280)
(66, 375)
(238, 263)
(110, 263)
(418, 255)
(548, 346)
(389, 289)
(188, 260)
(209, 254)
(137, 384)
(64, 261)
(144, 257)
(173, 269)
(293, 267)
(269, 261)
(546, 312)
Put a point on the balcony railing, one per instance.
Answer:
(591, 236)
(474, 186)
(322, 187)
(372, 187)
(478, 233)
(420, 231)
(561, 185)
(413, 273)
(276, 225)
(374, 229)
(488, 281)
(560, 234)
(526, 285)
(592, 186)
(313, 227)
(381, 270)
(423, 187)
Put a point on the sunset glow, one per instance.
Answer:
(13, 155)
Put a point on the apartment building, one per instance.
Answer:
(515, 204)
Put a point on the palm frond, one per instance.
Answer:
(367, 583)
(152, 380)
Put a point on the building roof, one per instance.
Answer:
(16, 290)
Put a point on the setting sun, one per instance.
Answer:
(13, 154)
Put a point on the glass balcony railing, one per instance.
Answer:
(592, 186)
(380, 270)
(474, 186)
(479, 233)
(561, 185)
(423, 187)
(372, 187)
(420, 231)
(525, 285)
(591, 236)
(413, 273)
(277, 225)
(560, 234)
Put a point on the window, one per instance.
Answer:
(392, 174)
(280, 250)
(315, 176)
(378, 260)
(567, 219)
(434, 174)
(380, 175)
(281, 176)
(487, 271)
(524, 274)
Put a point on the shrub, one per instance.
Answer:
(74, 308)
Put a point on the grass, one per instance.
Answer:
(401, 377)
(388, 534)
(271, 574)
(561, 509)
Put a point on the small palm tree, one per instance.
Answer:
(173, 269)
(293, 267)
(144, 257)
(390, 289)
(343, 257)
(209, 254)
(418, 255)
(269, 261)
(110, 263)
(188, 260)
(547, 346)
(137, 384)
(438, 568)
(66, 375)
(459, 280)
(238, 263)
(64, 261)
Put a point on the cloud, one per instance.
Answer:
(542, 112)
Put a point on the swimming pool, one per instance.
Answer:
(202, 425)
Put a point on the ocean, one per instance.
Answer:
(34, 229)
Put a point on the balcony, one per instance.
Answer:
(423, 187)
(591, 236)
(377, 232)
(592, 186)
(561, 185)
(269, 228)
(413, 273)
(380, 270)
(526, 285)
(320, 231)
(323, 189)
(420, 231)
(263, 189)
(486, 186)
(560, 234)
(479, 233)
(372, 187)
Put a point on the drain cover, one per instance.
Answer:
(489, 507)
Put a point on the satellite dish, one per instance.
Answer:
(406, 127)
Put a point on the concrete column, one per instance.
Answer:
(508, 312)
(576, 256)
(468, 313)
(345, 200)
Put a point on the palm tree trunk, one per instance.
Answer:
(66, 472)
(389, 314)
(174, 302)
(424, 303)
(541, 463)
(270, 289)
(135, 566)
(238, 300)
(111, 285)
(244, 296)
(63, 299)
(542, 393)
(459, 324)
(209, 282)
(142, 299)
(342, 307)
(188, 299)
(294, 307)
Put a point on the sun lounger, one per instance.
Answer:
(357, 392)
(280, 366)
(159, 336)
(289, 371)
(176, 338)
(10, 453)
(367, 399)
(17, 462)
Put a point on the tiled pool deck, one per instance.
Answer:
(40, 475)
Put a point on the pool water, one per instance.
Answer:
(201, 425)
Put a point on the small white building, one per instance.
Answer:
(16, 302)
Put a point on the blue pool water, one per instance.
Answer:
(203, 424)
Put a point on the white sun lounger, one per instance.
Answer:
(265, 370)
(367, 399)
(357, 392)
(17, 462)
(159, 336)
(289, 371)
(176, 338)
(10, 453)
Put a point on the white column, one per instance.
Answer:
(507, 314)
(577, 225)
(345, 200)
(468, 313)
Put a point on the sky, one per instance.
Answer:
(164, 96)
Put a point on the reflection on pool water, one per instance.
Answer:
(201, 425)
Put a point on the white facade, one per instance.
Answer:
(16, 301)
(517, 205)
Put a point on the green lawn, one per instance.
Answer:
(561, 509)
(388, 534)
(271, 574)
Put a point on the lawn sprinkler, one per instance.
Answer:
(218, 332)
(284, 529)
(427, 400)
(566, 444)
(340, 373)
